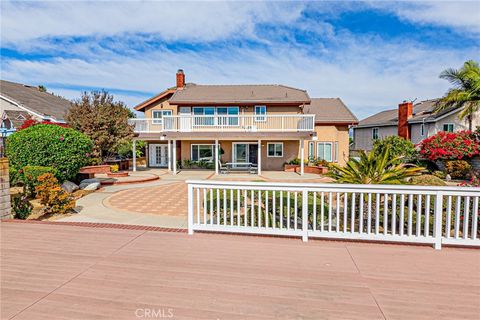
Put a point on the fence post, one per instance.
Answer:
(437, 230)
(190, 208)
(304, 215)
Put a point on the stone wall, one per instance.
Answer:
(5, 208)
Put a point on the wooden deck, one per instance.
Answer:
(65, 272)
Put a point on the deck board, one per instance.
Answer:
(66, 272)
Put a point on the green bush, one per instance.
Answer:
(15, 176)
(397, 147)
(457, 169)
(65, 149)
(22, 208)
(30, 176)
(427, 180)
(440, 174)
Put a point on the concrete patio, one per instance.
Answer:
(59, 272)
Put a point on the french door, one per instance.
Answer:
(245, 152)
(158, 155)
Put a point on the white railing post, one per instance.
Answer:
(438, 213)
(304, 215)
(190, 209)
(134, 155)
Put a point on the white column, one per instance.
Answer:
(302, 156)
(169, 155)
(134, 154)
(259, 161)
(216, 156)
(174, 156)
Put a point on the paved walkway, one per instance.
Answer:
(62, 272)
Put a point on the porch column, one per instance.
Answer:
(174, 156)
(216, 156)
(302, 156)
(169, 159)
(259, 161)
(134, 155)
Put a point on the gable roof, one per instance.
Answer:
(423, 111)
(150, 101)
(330, 110)
(239, 94)
(30, 98)
(17, 117)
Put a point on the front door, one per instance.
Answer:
(158, 155)
(185, 119)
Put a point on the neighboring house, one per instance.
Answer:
(266, 125)
(19, 102)
(413, 122)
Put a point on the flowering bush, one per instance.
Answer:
(31, 122)
(52, 196)
(450, 146)
(473, 182)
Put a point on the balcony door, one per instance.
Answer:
(185, 119)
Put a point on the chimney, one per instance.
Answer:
(405, 112)
(180, 79)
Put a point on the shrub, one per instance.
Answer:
(15, 176)
(52, 196)
(398, 147)
(321, 162)
(114, 168)
(65, 149)
(457, 169)
(473, 182)
(427, 180)
(450, 146)
(32, 122)
(30, 176)
(440, 174)
(22, 208)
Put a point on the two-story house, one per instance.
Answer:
(415, 122)
(265, 125)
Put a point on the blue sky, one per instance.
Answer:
(372, 54)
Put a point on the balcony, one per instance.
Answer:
(226, 123)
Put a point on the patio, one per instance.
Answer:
(51, 272)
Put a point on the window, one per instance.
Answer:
(374, 133)
(210, 116)
(157, 115)
(422, 130)
(202, 152)
(228, 114)
(311, 150)
(325, 151)
(448, 127)
(275, 149)
(260, 112)
(204, 116)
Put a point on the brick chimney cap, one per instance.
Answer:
(180, 71)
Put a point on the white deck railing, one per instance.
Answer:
(434, 215)
(230, 123)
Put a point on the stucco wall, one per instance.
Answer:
(332, 133)
(363, 136)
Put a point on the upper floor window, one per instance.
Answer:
(260, 112)
(374, 133)
(448, 127)
(209, 116)
(422, 129)
(157, 115)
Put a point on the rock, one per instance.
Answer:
(448, 177)
(87, 181)
(90, 186)
(69, 186)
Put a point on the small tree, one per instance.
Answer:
(104, 120)
(397, 147)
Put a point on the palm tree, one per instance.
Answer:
(465, 92)
(373, 168)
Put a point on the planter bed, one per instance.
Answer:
(306, 169)
(104, 168)
(117, 174)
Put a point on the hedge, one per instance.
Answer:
(64, 149)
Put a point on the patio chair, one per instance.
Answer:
(222, 167)
(253, 168)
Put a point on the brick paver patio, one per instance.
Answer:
(169, 199)
(64, 272)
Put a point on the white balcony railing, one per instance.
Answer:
(230, 123)
(415, 214)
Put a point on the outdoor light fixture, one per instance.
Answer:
(314, 136)
(162, 137)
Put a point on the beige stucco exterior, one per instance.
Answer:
(336, 134)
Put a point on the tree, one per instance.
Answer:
(465, 92)
(397, 147)
(103, 120)
(374, 169)
(42, 88)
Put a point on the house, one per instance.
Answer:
(19, 102)
(266, 125)
(413, 122)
